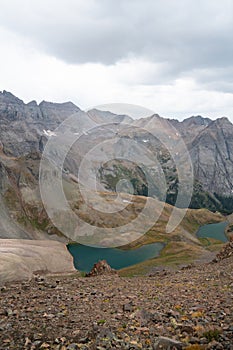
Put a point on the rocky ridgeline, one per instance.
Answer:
(226, 251)
(210, 142)
(22, 125)
(26, 127)
(101, 268)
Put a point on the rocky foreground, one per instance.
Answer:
(191, 308)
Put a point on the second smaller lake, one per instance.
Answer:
(216, 231)
(85, 257)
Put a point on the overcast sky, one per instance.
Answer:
(174, 57)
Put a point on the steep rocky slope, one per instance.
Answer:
(212, 154)
(210, 145)
(190, 127)
(22, 125)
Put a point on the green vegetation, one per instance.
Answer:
(101, 322)
(212, 334)
(112, 172)
(40, 225)
(172, 255)
(211, 244)
(121, 171)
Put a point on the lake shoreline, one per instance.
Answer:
(116, 257)
(214, 231)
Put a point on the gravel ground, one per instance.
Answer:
(192, 307)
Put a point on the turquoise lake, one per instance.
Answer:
(216, 231)
(85, 257)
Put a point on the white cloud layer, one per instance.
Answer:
(172, 56)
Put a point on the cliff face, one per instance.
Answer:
(212, 155)
(25, 129)
(22, 125)
(190, 128)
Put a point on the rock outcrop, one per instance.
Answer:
(225, 252)
(101, 268)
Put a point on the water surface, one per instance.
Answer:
(216, 231)
(85, 257)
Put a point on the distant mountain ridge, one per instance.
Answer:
(25, 129)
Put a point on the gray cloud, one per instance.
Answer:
(191, 38)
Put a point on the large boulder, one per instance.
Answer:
(101, 268)
(164, 343)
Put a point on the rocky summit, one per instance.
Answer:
(187, 309)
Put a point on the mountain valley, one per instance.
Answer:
(180, 299)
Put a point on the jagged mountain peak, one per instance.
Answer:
(100, 112)
(198, 120)
(8, 97)
(152, 120)
(100, 116)
(154, 116)
(32, 104)
(221, 122)
(195, 120)
(221, 127)
(47, 104)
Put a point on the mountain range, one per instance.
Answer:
(26, 128)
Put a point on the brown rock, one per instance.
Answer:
(164, 343)
(101, 268)
(225, 252)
